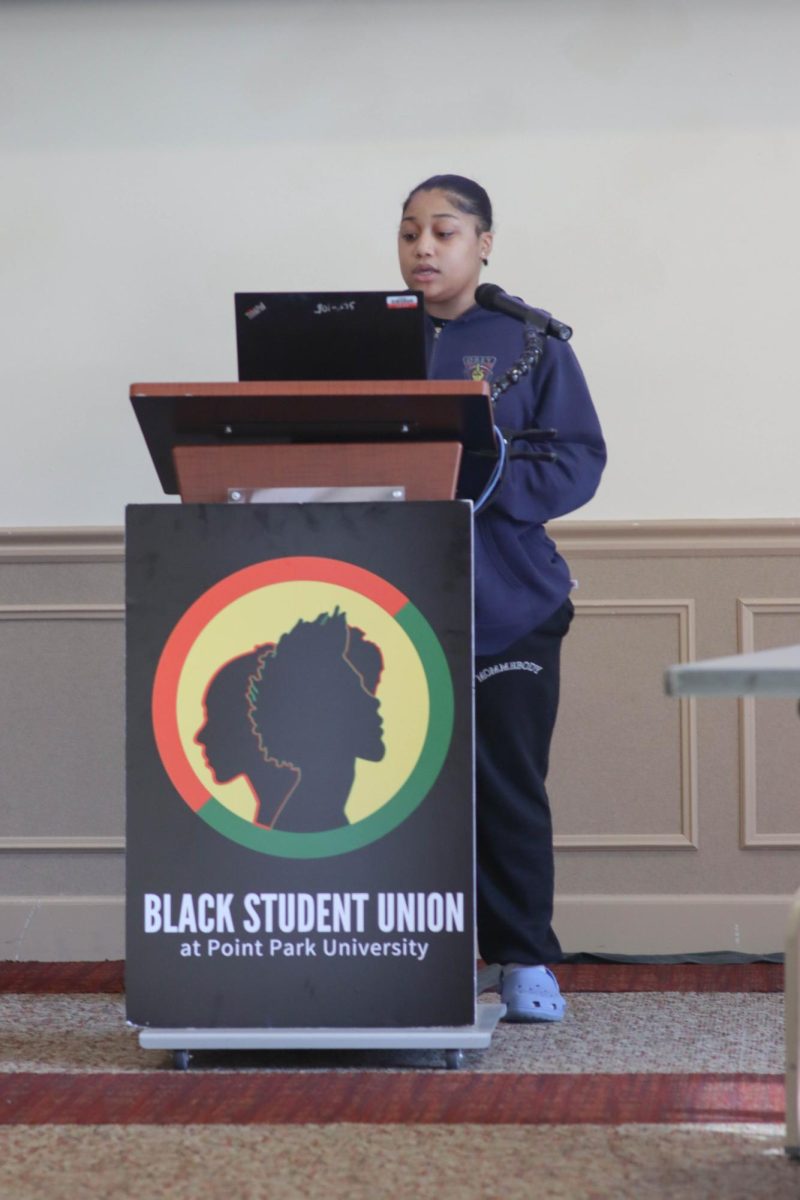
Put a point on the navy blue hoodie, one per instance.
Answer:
(520, 578)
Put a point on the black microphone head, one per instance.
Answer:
(487, 293)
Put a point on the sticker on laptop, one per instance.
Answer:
(402, 301)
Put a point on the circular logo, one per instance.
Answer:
(303, 707)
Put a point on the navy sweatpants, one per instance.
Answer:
(516, 701)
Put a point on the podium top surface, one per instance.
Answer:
(292, 411)
(316, 387)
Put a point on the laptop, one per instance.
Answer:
(330, 335)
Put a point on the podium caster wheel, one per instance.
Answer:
(181, 1060)
(454, 1059)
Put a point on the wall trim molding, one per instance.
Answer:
(76, 845)
(685, 837)
(663, 539)
(717, 537)
(62, 928)
(90, 543)
(663, 924)
(62, 612)
(749, 838)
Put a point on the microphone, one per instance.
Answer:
(492, 296)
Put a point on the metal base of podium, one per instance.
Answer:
(454, 1040)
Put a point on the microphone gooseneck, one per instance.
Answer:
(492, 297)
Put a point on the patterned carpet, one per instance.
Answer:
(664, 1080)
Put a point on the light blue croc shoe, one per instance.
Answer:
(531, 994)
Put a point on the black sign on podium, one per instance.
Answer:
(299, 829)
(300, 814)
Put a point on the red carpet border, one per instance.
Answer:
(379, 1097)
(109, 977)
(290, 1098)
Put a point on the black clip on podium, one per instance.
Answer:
(193, 976)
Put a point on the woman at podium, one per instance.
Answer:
(522, 584)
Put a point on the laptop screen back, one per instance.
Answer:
(330, 335)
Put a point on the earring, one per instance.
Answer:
(485, 261)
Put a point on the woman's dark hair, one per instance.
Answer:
(467, 195)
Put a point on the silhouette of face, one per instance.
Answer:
(354, 714)
(225, 736)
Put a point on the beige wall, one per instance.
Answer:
(677, 822)
(644, 159)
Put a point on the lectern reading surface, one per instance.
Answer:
(325, 433)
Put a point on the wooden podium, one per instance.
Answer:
(414, 849)
(205, 438)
